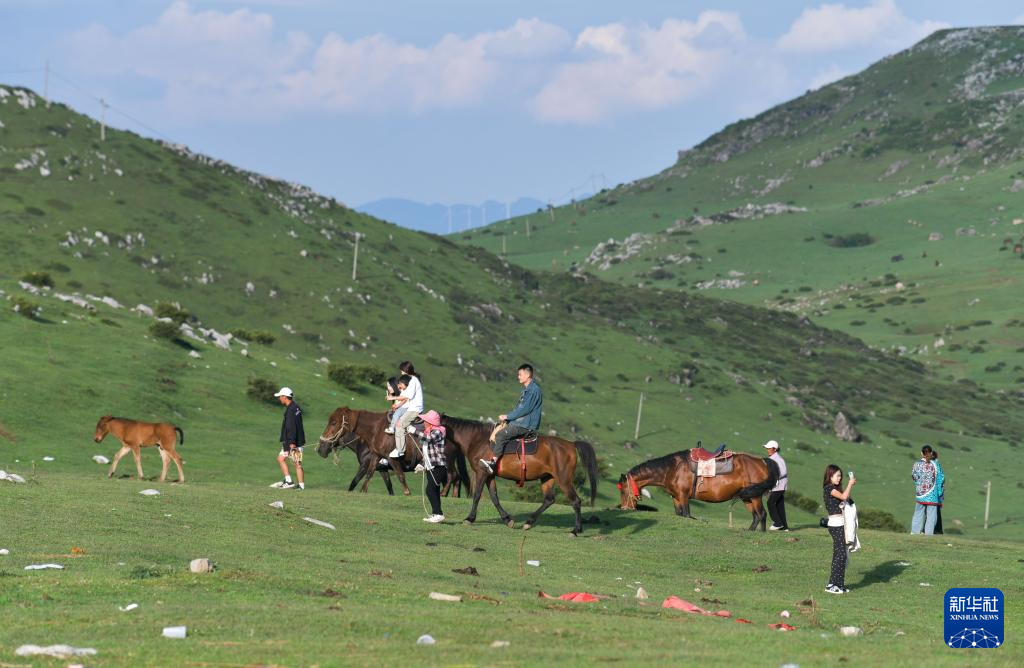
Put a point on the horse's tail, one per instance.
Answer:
(460, 467)
(181, 435)
(756, 490)
(589, 457)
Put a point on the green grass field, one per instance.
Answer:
(287, 592)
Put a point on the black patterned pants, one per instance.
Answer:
(838, 577)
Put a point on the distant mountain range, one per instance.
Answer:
(434, 218)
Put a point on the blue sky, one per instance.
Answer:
(452, 100)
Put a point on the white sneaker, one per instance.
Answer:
(487, 464)
(434, 519)
(832, 589)
(288, 485)
(389, 430)
(395, 454)
(418, 469)
(774, 528)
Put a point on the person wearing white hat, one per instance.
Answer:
(292, 439)
(777, 497)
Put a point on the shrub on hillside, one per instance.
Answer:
(254, 336)
(855, 240)
(802, 502)
(162, 329)
(868, 518)
(40, 279)
(24, 307)
(355, 375)
(172, 311)
(262, 390)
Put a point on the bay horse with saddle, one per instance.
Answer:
(363, 433)
(135, 435)
(549, 459)
(704, 476)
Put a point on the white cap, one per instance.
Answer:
(285, 392)
(771, 444)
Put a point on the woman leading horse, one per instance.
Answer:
(750, 478)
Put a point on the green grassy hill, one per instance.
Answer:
(889, 204)
(137, 222)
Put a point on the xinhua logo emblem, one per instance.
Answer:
(974, 618)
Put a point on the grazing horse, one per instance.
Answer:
(369, 462)
(553, 463)
(751, 477)
(135, 435)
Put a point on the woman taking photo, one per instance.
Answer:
(832, 497)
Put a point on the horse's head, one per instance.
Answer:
(102, 427)
(629, 492)
(342, 421)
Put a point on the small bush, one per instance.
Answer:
(24, 307)
(40, 279)
(354, 375)
(254, 336)
(164, 330)
(172, 311)
(807, 447)
(262, 390)
(868, 518)
(802, 502)
(855, 240)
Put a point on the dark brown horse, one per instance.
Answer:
(554, 463)
(370, 462)
(751, 477)
(135, 435)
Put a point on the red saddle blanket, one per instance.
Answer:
(700, 454)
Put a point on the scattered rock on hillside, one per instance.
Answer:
(935, 236)
(201, 566)
(966, 231)
(11, 477)
(845, 431)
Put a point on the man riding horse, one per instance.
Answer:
(522, 422)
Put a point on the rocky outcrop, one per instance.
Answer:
(844, 429)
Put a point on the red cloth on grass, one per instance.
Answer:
(677, 603)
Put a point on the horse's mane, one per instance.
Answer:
(658, 464)
(462, 423)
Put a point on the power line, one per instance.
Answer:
(106, 105)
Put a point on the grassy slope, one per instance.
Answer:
(918, 111)
(597, 345)
(289, 593)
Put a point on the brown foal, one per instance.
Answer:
(135, 435)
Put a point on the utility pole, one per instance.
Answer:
(527, 222)
(503, 252)
(46, 84)
(551, 209)
(103, 120)
(639, 410)
(355, 257)
(988, 497)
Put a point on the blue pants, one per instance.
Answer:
(924, 515)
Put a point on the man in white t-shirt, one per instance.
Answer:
(411, 399)
(777, 497)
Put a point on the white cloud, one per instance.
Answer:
(623, 68)
(234, 64)
(832, 27)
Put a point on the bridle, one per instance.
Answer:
(633, 492)
(333, 440)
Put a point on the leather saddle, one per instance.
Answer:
(514, 446)
(722, 460)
